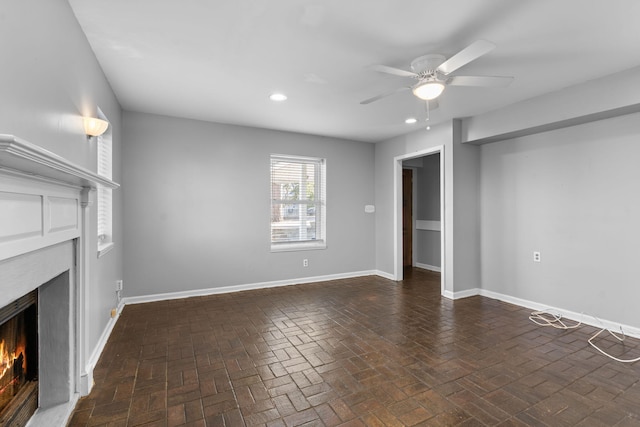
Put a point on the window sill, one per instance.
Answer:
(105, 248)
(303, 246)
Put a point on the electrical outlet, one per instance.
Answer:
(305, 263)
(536, 256)
(119, 285)
(114, 312)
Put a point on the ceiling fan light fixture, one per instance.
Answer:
(428, 90)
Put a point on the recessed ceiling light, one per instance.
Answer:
(278, 97)
(411, 120)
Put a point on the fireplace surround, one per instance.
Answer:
(45, 247)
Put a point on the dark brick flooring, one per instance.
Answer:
(354, 352)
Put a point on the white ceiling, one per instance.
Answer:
(219, 60)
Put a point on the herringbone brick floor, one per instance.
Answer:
(353, 352)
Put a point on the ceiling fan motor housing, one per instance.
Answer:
(427, 64)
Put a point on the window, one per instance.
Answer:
(105, 236)
(298, 203)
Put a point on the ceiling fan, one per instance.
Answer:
(432, 72)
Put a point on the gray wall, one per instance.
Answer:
(428, 208)
(461, 270)
(197, 205)
(49, 79)
(385, 152)
(571, 194)
(466, 212)
(585, 102)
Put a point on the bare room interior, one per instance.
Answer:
(319, 213)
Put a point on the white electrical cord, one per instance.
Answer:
(620, 338)
(547, 318)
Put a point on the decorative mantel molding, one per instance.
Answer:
(43, 197)
(22, 157)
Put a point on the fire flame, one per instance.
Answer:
(7, 358)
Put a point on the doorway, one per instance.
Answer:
(408, 225)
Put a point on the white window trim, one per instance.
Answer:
(105, 169)
(307, 245)
(299, 246)
(105, 248)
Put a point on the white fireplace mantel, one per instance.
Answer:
(19, 155)
(44, 204)
(41, 196)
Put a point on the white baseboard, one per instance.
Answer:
(571, 315)
(385, 275)
(86, 378)
(428, 267)
(245, 287)
(461, 294)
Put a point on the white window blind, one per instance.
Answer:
(104, 193)
(298, 203)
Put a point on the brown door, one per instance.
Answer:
(407, 217)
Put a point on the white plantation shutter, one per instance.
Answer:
(104, 193)
(298, 202)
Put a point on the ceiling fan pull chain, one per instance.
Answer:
(427, 108)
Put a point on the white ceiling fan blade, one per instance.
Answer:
(466, 55)
(484, 81)
(394, 71)
(383, 95)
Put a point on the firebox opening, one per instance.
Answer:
(18, 350)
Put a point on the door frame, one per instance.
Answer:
(397, 211)
(412, 228)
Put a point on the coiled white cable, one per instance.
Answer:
(620, 338)
(547, 318)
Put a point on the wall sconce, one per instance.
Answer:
(94, 127)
